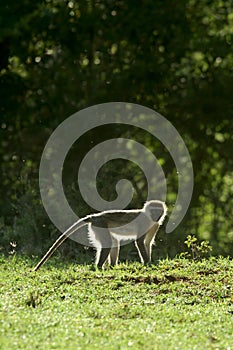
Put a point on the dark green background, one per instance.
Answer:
(57, 57)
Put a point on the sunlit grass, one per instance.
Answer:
(178, 304)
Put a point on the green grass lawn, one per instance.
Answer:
(177, 304)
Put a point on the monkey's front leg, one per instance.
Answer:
(142, 249)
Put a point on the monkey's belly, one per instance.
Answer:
(129, 231)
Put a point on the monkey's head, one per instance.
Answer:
(156, 210)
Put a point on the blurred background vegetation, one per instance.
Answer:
(57, 57)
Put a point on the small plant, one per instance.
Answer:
(198, 251)
(33, 300)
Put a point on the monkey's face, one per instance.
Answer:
(156, 210)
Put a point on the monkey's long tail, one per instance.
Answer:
(76, 226)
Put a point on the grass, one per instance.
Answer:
(177, 304)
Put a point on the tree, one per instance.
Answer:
(175, 57)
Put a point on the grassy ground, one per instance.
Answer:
(177, 304)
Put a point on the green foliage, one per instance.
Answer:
(29, 229)
(177, 304)
(198, 251)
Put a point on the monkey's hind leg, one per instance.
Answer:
(104, 244)
(102, 257)
(114, 252)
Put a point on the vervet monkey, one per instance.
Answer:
(107, 228)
